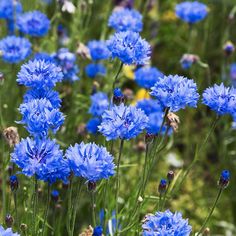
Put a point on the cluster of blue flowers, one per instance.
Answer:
(166, 223)
(124, 122)
(176, 92)
(38, 155)
(99, 103)
(98, 51)
(191, 12)
(146, 77)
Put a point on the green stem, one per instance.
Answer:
(93, 208)
(211, 211)
(47, 208)
(35, 203)
(15, 204)
(116, 77)
(118, 182)
(75, 206)
(69, 216)
(164, 198)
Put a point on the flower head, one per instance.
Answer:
(39, 117)
(176, 92)
(40, 157)
(66, 60)
(90, 161)
(8, 8)
(99, 104)
(187, 60)
(97, 231)
(7, 232)
(39, 74)
(166, 223)
(50, 95)
(92, 125)
(228, 48)
(92, 70)
(98, 50)
(220, 99)
(149, 106)
(146, 77)
(129, 47)
(224, 179)
(191, 12)
(124, 122)
(14, 49)
(34, 23)
(126, 19)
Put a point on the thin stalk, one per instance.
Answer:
(47, 208)
(116, 77)
(164, 197)
(118, 181)
(93, 208)
(69, 216)
(15, 204)
(35, 203)
(75, 205)
(211, 211)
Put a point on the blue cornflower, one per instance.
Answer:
(39, 117)
(14, 49)
(50, 95)
(126, 19)
(176, 92)
(155, 122)
(146, 77)
(166, 223)
(220, 99)
(97, 231)
(92, 70)
(191, 12)
(99, 103)
(7, 232)
(67, 62)
(39, 74)
(34, 23)
(129, 47)
(98, 50)
(224, 179)
(149, 106)
(124, 122)
(92, 125)
(90, 161)
(55, 195)
(41, 157)
(9, 8)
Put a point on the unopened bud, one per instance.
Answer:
(92, 186)
(162, 186)
(170, 175)
(228, 48)
(9, 220)
(224, 179)
(55, 195)
(149, 138)
(118, 96)
(23, 227)
(14, 183)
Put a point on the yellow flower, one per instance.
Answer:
(129, 71)
(141, 94)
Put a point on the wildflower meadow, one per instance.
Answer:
(117, 118)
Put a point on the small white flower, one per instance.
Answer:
(69, 7)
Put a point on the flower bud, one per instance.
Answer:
(55, 195)
(162, 186)
(170, 175)
(23, 227)
(118, 96)
(228, 48)
(9, 220)
(187, 60)
(97, 231)
(224, 179)
(92, 186)
(149, 138)
(13, 183)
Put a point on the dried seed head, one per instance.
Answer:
(173, 121)
(11, 135)
(87, 232)
(83, 51)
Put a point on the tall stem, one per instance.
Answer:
(211, 211)
(15, 204)
(47, 208)
(93, 208)
(118, 182)
(116, 77)
(35, 203)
